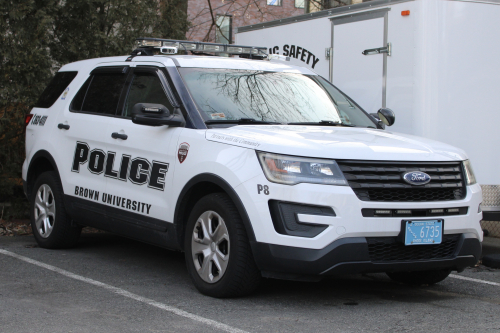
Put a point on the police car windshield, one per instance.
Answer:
(225, 95)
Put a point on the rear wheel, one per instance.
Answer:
(50, 224)
(217, 250)
(420, 277)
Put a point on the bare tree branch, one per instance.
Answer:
(243, 12)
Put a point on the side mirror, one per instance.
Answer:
(386, 116)
(156, 115)
(380, 124)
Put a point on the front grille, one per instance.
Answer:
(388, 249)
(383, 181)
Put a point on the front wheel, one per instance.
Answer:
(420, 277)
(217, 250)
(50, 224)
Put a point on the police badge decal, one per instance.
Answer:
(183, 151)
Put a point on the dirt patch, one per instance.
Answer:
(15, 228)
(18, 227)
(89, 230)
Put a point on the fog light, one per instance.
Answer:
(403, 211)
(453, 210)
(479, 210)
(382, 212)
(439, 211)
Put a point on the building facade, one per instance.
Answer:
(215, 20)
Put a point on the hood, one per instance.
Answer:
(335, 143)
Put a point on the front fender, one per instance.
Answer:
(220, 182)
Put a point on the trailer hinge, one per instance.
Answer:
(328, 52)
(379, 50)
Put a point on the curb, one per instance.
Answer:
(491, 245)
(492, 260)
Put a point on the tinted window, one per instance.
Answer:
(76, 104)
(145, 88)
(100, 94)
(103, 93)
(55, 88)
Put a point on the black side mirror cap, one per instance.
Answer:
(156, 115)
(387, 116)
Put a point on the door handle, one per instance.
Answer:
(63, 126)
(379, 50)
(116, 135)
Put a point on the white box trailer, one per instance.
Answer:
(436, 63)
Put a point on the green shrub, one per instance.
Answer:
(39, 36)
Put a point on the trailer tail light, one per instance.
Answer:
(405, 13)
(27, 119)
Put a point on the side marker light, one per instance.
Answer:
(405, 13)
(27, 119)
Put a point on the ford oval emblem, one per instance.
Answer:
(416, 178)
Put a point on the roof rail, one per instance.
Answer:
(172, 46)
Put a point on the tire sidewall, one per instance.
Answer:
(48, 178)
(211, 203)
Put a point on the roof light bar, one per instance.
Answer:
(167, 46)
(168, 50)
(277, 57)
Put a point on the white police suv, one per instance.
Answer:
(252, 167)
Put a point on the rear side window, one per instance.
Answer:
(55, 88)
(100, 93)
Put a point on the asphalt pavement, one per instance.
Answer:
(113, 284)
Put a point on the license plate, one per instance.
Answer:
(423, 232)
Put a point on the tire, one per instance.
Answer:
(226, 267)
(420, 277)
(50, 224)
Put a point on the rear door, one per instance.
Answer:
(138, 194)
(359, 63)
(81, 139)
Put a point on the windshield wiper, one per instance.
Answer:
(322, 123)
(239, 121)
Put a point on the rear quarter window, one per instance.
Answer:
(55, 88)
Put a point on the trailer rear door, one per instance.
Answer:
(362, 77)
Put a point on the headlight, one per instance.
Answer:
(292, 170)
(469, 173)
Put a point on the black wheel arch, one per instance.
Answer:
(195, 189)
(41, 162)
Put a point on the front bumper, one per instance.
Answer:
(348, 221)
(351, 256)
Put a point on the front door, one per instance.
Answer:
(138, 194)
(358, 65)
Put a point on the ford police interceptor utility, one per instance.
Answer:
(253, 167)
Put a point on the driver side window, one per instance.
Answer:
(145, 87)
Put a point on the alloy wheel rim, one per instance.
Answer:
(45, 211)
(210, 247)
